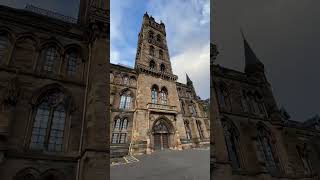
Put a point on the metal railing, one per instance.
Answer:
(51, 14)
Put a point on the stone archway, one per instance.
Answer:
(162, 132)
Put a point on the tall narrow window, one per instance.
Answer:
(244, 102)
(223, 95)
(192, 110)
(158, 38)
(266, 148)
(151, 50)
(72, 63)
(49, 122)
(160, 54)
(152, 65)
(125, 80)
(4, 47)
(232, 142)
(162, 68)
(303, 154)
(125, 100)
(199, 126)
(164, 96)
(119, 134)
(50, 59)
(154, 94)
(182, 106)
(188, 130)
(151, 34)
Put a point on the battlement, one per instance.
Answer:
(150, 21)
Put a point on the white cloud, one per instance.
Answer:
(195, 62)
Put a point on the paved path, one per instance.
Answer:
(192, 164)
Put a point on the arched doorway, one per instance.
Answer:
(161, 135)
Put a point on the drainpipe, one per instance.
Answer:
(84, 113)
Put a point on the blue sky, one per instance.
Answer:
(188, 35)
(187, 24)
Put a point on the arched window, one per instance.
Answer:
(192, 110)
(199, 126)
(223, 95)
(158, 38)
(244, 101)
(49, 122)
(4, 47)
(232, 142)
(164, 96)
(152, 65)
(305, 161)
(188, 130)
(72, 58)
(160, 54)
(119, 134)
(162, 68)
(151, 50)
(182, 106)
(125, 100)
(154, 94)
(111, 77)
(266, 149)
(151, 34)
(132, 80)
(50, 59)
(125, 80)
(24, 53)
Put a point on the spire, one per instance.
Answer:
(253, 64)
(188, 79)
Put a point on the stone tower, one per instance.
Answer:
(157, 101)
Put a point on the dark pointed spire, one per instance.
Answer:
(188, 79)
(252, 63)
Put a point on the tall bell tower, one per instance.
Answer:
(152, 46)
(94, 146)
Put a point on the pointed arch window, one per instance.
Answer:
(125, 100)
(158, 38)
(4, 47)
(152, 65)
(49, 122)
(267, 150)
(125, 80)
(164, 96)
(72, 58)
(119, 134)
(188, 130)
(182, 106)
(223, 95)
(151, 34)
(193, 110)
(200, 130)
(244, 102)
(154, 94)
(50, 59)
(160, 54)
(151, 50)
(305, 161)
(162, 68)
(232, 142)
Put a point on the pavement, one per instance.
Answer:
(191, 164)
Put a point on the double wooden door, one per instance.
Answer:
(161, 141)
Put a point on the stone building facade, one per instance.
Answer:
(251, 138)
(150, 110)
(53, 78)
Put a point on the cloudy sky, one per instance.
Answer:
(285, 35)
(188, 30)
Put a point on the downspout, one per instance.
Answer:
(84, 113)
